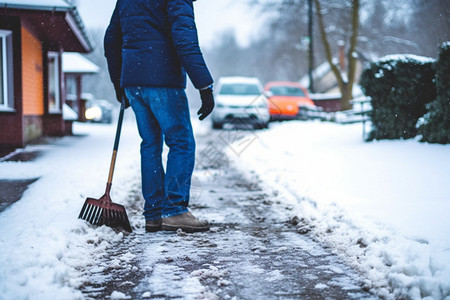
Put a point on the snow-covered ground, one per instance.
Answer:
(43, 245)
(383, 205)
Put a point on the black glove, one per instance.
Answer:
(207, 103)
(121, 93)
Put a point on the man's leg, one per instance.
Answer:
(172, 112)
(151, 149)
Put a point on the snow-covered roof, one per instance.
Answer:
(319, 72)
(36, 4)
(238, 79)
(72, 16)
(73, 62)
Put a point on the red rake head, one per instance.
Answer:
(104, 212)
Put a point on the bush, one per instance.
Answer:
(435, 126)
(400, 86)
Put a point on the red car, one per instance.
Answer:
(284, 99)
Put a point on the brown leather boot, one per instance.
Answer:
(153, 225)
(186, 222)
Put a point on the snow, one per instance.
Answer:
(73, 62)
(40, 3)
(405, 58)
(47, 252)
(68, 113)
(44, 245)
(118, 296)
(275, 275)
(319, 72)
(382, 205)
(325, 96)
(321, 286)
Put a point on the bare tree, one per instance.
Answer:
(285, 38)
(345, 78)
(429, 25)
(369, 28)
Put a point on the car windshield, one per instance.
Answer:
(287, 91)
(239, 89)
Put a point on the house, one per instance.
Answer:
(326, 92)
(33, 36)
(75, 66)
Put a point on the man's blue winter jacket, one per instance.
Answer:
(154, 43)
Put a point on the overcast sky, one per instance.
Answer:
(213, 17)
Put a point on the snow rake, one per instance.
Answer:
(103, 211)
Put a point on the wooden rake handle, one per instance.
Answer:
(116, 143)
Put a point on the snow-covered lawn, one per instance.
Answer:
(383, 205)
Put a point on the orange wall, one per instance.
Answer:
(32, 74)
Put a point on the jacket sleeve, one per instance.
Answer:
(113, 48)
(185, 40)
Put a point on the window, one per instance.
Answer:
(71, 85)
(287, 91)
(54, 97)
(239, 89)
(6, 71)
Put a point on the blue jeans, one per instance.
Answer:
(162, 115)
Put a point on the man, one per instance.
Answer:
(150, 45)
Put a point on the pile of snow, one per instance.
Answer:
(382, 205)
(405, 58)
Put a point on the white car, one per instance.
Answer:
(240, 99)
(99, 110)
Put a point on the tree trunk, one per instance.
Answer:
(345, 83)
(347, 95)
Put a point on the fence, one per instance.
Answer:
(359, 113)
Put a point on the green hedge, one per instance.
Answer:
(435, 127)
(400, 86)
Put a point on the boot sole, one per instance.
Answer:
(152, 228)
(184, 228)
